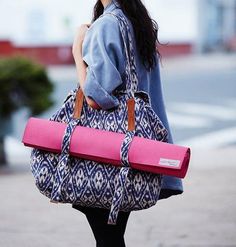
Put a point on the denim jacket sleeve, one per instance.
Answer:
(103, 52)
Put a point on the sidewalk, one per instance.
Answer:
(203, 216)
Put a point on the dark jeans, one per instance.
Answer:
(105, 235)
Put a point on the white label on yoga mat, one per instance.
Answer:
(169, 162)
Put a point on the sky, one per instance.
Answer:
(55, 21)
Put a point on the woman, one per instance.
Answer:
(99, 56)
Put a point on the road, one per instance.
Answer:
(199, 94)
(201, 99)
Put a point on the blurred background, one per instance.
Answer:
(198, 74)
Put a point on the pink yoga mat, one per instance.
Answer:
(104, 146)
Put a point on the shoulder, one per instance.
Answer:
(105, 23)
(105, 29)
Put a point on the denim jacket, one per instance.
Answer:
(103, 52)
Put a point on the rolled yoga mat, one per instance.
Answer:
(104, 146)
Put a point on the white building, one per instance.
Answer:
(30, 21)
(203, 23)
(216, 24)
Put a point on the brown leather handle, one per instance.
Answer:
(79, 100)
(130, 104)
(131, 114)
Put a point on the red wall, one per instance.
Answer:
(47, 55)
(61, 55)
(176, 49)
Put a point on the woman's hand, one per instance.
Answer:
(78, 40)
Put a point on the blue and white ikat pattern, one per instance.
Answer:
(66, 179)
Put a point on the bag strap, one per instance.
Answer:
(131, 88)
(131, 74)
(131, 68)
(79, 99)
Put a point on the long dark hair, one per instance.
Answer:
(145, 29)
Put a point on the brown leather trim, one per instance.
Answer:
(131, 113)
(78, 103)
